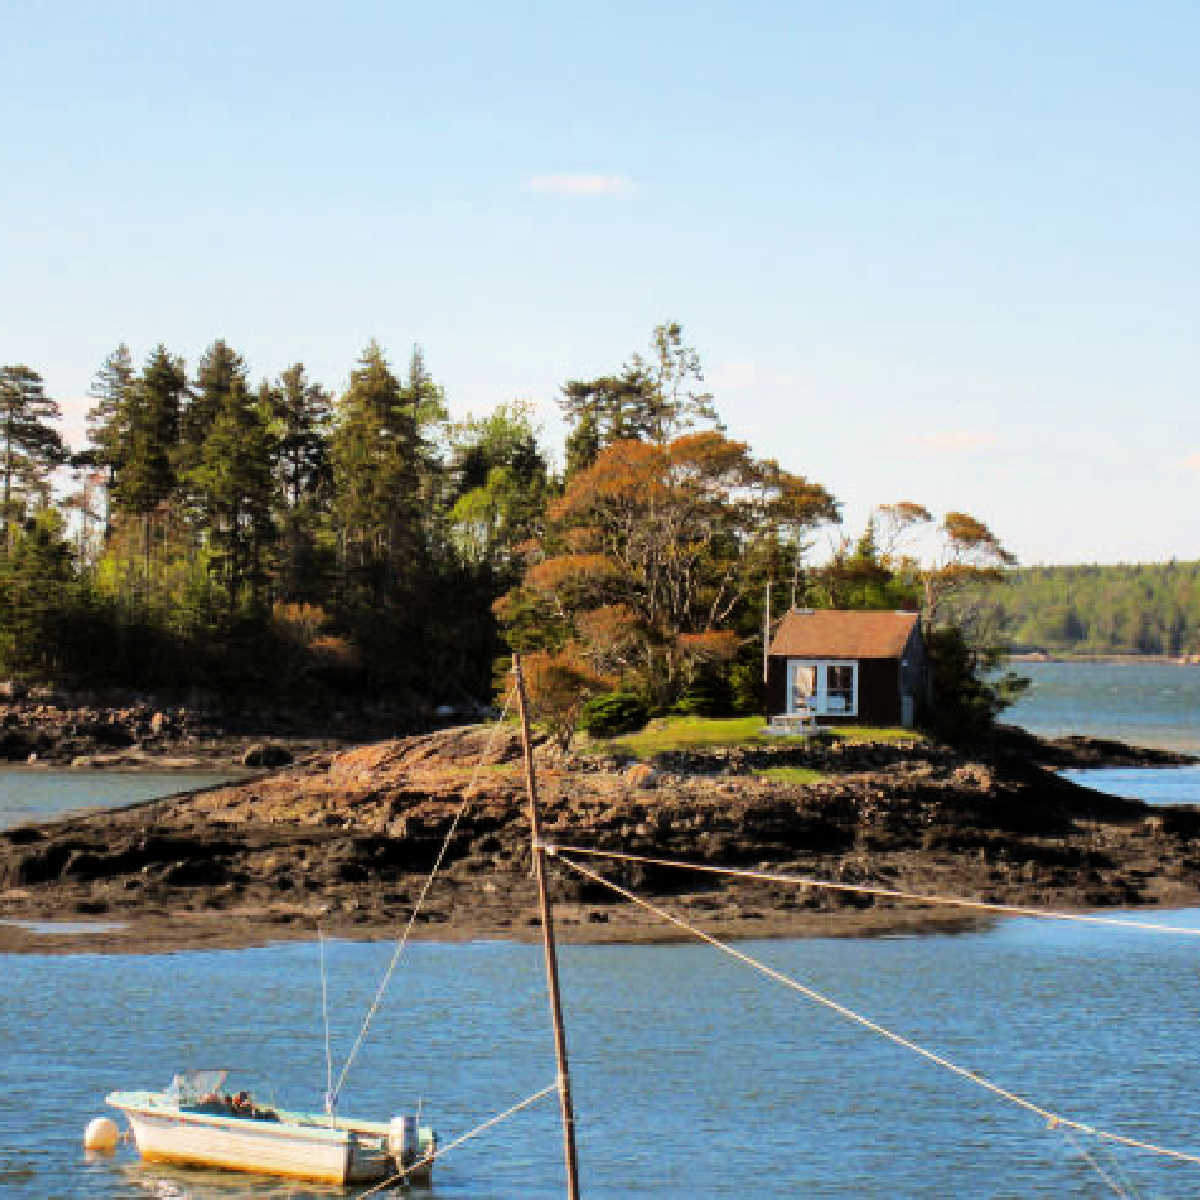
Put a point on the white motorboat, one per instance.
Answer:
(195, 1122)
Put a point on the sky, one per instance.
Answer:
(938, 252)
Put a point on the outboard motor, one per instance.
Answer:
(403, 1143)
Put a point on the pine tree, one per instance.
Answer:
(302, 413)
(385, 486)
(651, 400)
(148, 437)
(229, 489)
(30, 447)
(106, 418)
(218, 371)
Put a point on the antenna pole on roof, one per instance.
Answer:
(766, 631)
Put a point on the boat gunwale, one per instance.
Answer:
(297, 1126)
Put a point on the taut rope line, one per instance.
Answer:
(458, 1141)
(1052, 1119)
(402, 941)
(870, 889)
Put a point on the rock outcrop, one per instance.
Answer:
(346, 838)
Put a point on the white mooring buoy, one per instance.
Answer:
(101, 1134)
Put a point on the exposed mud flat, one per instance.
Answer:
(344, 839)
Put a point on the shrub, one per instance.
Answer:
(616, 713)
(708, 695)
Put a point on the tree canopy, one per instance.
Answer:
(650, 550)
(277, 537)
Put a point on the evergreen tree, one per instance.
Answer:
(39, 592)
(384, 476)
(230, 488)
(106, 418)
(302, 417)
(651, 400)
(376, 478)
(218, 371)
(147, 439)
(30, 448)
(302, 411)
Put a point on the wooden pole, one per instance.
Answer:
(767, 635)
(539, 870)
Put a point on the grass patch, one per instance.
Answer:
(792, 775)
(886, 734)
(698, 733)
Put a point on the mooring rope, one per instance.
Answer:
(870, 889)
(1118, 1187)
(1053, 1120)
(402, 941)
(458, 1141)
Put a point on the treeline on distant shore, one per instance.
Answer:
(1146, 608)
(276, 539)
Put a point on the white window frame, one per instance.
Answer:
(819, 701)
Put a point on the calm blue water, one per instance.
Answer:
(1162, 785)
(693, 1076)
(33, 794)
(1146, 704)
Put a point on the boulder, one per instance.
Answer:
(266, 754)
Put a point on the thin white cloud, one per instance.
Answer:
(945, 443)
(580, 184)
(1191, 463)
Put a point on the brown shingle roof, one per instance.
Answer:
(834, 633)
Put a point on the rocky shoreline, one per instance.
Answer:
(343, 838)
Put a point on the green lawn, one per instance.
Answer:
(690, 733)
(792, 775)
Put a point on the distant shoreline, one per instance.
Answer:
(1120, 660)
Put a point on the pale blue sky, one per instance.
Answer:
(941, 252)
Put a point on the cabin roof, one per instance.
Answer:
(836, 633)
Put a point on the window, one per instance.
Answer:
(828, 688)
(804, 687)
(839, 688)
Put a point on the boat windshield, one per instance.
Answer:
(191, 1087)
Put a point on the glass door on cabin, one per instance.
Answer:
(825, 688)
(802, 687)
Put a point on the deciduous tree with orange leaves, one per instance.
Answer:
(649, 552)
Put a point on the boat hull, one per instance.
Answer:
(277, 1148)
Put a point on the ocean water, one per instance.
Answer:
(37, 794)
(1146, 704)
(693, 1076)
(1157, 785)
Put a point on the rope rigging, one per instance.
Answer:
(458, 1141)
(870, 889)
(1052, 1119)
(402, 941)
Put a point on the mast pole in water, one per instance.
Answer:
(539, 870)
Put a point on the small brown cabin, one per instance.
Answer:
(848, 667)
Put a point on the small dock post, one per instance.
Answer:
(539, 870)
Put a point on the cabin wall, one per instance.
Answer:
(776, 685)
(914, 674)
(878, 691)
